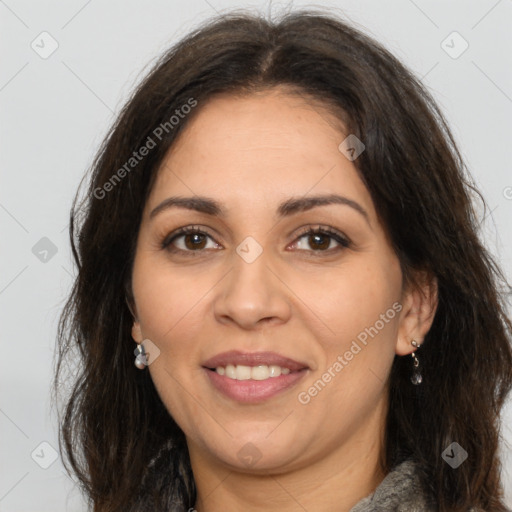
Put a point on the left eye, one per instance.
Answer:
(320, 240)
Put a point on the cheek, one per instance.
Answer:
(166, 298)
(360, 309)
(169, 311)
(352, 299)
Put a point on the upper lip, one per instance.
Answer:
(236, 357)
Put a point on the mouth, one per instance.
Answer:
(253, 377)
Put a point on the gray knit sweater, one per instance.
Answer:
(400, 491)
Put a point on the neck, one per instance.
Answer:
(338, 479)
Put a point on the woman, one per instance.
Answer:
(280, 225)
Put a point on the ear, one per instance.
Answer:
(136, 330)
(419, 304)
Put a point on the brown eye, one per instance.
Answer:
(194, 241)
(189, 240)
(319, 241)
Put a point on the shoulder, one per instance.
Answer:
(400, 491)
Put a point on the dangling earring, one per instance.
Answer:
(140, 357)
(416, 374)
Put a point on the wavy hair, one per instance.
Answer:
(121, 443)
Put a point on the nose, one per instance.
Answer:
(252, 295)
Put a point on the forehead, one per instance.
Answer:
(260, 148)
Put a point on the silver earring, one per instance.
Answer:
(416, 374)
(140, 357)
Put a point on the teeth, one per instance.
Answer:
(230, 371)
(242, 372)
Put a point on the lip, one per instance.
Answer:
(253, 391)
(236, 357)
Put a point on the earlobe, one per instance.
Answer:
(137, 332)
(416, 318)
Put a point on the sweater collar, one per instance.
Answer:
(400, 491)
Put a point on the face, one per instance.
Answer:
(279, 282)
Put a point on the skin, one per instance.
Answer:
(303, 299)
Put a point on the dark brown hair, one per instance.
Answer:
(124, 447)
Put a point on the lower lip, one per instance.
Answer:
(254, 391)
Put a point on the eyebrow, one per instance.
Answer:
(287, 208)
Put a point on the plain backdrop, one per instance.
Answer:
(55, 110)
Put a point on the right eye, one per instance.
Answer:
(188, 239)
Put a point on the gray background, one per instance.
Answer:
(55, 111)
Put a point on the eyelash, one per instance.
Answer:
(342, 240)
